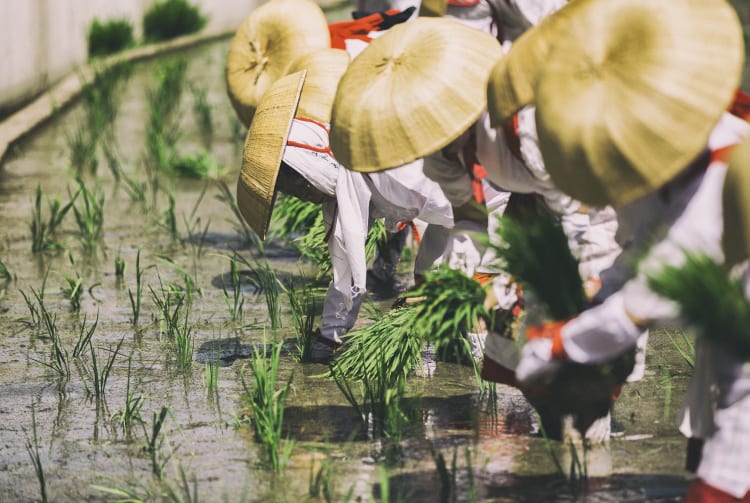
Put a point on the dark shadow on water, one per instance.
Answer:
(231, 349)
(624, 488)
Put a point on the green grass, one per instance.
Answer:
(108, 37)
(202, 111)
(236, 301)
(135, 299)
(291, 215)
(265, 281)
(155, 440)
(101, 369)
(267, 399)
(119, 266)
(168, 19)
(85, 335)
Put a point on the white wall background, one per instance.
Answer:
(41, 41)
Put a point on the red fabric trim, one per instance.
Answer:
(322, 150)
(475, 170)
(483, 278)
(549, 330)
(358, 29)
(313, 121)
(722, 154)
(463, 3)
(414, 231)
(701, 492)
(740, 106)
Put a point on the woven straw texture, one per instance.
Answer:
(410, 93)
(736, 206)
(630, 92)
(324, 70)
(264, 149)
(513, 79)
(266, 44)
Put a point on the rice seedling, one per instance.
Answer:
(43, 232)
(267, 404)
(196, 235)
(265, 281)
(155, 442)
(82, 145)
(101, 97)
(167, 19)
(211, 369)
(201, 166)
(100, 374)
(32, 447)
(136, 190)
(235, 302)
(119, 266)
(320, 483)
(169, 304)
(73, 289)
(58, 361)
(36, 317)
(135, 300)
(5, 274)
(168, 218)
(448, 477)
(313, 247)
(108, 37)
(185, 492)
(189, 286)
(710, 299)
(131, 411)
(241, 227)
(113, 159)
(303, 308)
(183, 338)
(89, 216)
(85, 335)
(202, 112)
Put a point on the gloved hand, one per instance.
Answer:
(543, 354)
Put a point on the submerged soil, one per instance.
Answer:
(82, 447)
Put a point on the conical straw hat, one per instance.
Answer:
(514, 77)
(265, 45)
(410, 93)
(324, 70)
(736, 206)
(631, 90)
(264, 149)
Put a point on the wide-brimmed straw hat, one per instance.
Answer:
(265, 45)
(410, 93)
(264, 148)
(514, 77)
(324, 70)
(736, 206)
(630, 91)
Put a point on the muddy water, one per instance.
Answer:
(82, 446)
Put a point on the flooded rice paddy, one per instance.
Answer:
(205, 448)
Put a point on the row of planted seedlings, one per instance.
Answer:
(171, 299)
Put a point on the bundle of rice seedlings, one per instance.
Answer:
(535, 251)
(710, 299)
(449, 303)
(383, 351)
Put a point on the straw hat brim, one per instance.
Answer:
(324, 70)
(631, 91)
(265, 45)
(736, 207)
(410, 93)
(264, 149)
(513, 79)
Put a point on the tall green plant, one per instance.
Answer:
(44, 231)
(89, 216)
(267, 404)
(108, 37)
